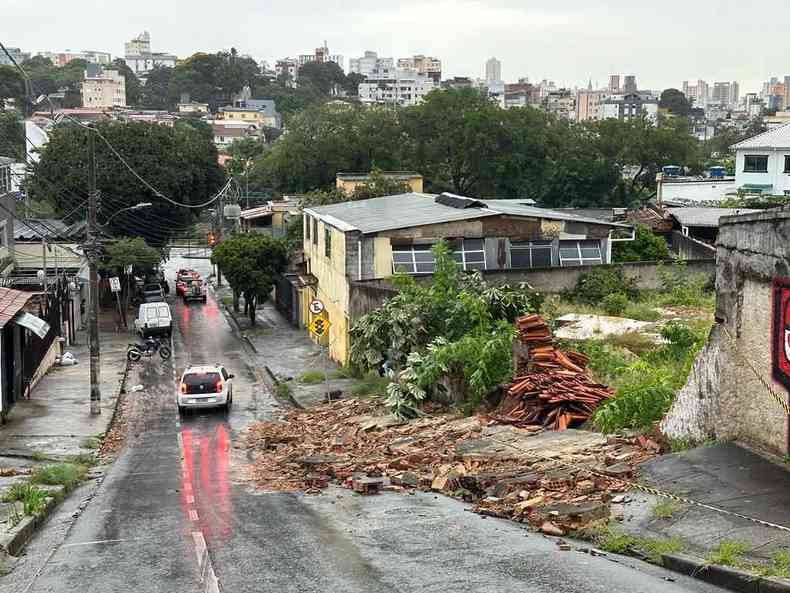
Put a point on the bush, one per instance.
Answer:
(615, 304)
(645, 247)
(594, 286)
(63, 474)
(682, 289)
(642, 399)
(641, 312)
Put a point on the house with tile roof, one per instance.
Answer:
(762, 162)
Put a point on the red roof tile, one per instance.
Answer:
(11, 302)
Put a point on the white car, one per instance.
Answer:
(207, 386)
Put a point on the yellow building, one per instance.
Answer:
(348, 182)
(349, 243)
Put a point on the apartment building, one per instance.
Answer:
(561, 103)
(629, 106)
(725, 94)
(493, 70)
(424, 65)
(141, 59)
(321, 55)
(62, 58)
(16, 53)
(396, 86)
(103, 88)
(369, 63)
(588, 104)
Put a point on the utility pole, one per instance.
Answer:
(92, 252)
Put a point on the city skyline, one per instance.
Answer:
(513, 33)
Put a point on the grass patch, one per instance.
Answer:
(39, 456)
(641, 312)
(665, 509)
(86, 459)
(370, 385)
(63, 474)
(311, 377)
(31, 497)
(632, 341)
(778, 566)
(342, 373)
(90, 443)
(654, 549)
(283, 390)
(227, 301)
(728, 553)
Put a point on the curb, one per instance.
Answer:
(724, 576)
(14, 540)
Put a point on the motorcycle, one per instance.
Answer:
(150, 347)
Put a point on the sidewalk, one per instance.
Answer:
(725, 476)
(287, 352)
(56, 419)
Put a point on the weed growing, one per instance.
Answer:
(665, 509)
(63, 474)
(90, 443)
(31, 497)
(311, 377)
(370, 385)
(728, 553)
(654, 549)
(283, 390)
(633, 342)
(641, 312)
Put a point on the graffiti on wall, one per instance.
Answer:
(780, 344)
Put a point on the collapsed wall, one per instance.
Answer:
(728, 394)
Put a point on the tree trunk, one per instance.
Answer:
(235, 301)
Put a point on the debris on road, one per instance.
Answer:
(553, 388)
(347, 443)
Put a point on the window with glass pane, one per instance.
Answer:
(530, 254)
(327, 242)
(472, 255)
(755, 163)
(306, 227)
(414, 259)
(580, 253)
(315, 231)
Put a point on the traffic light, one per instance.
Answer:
(212, 239)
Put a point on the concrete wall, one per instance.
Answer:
(734, 400)
(687, 248)
(646, 275)
(704, 190)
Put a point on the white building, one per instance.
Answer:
(493, 70)
(62, 58)
(103, 88)
(629, 106)
(369, 63)
(16, 53)
(762, 163)
(141, 59)
(396, 86)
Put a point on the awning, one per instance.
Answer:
(35, 324)
(11, 302)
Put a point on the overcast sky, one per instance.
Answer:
(569, 42)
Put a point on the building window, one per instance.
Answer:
(580, 253)
(327, 241)
(787, 163)
(472, 255)
(755, 163)
(530, 254)
(413, 259)
(306, 227)
(315, 231)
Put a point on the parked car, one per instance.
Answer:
(194, 290)
(153, 293)
(206, 386)
(154, 319)
(183, 279)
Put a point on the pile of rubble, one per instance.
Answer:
(553, 388)
(346, 443)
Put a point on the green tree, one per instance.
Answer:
(378, 185)
(646, 246)
(12, 135)
(212, 78)
(134, 90)
(181, 162)
(12, 86)
(676, 102)
(250, 262)
(326, 77)
(638, 149)
(351, 85)
(130, 251)
(457, 134)
(154, 95)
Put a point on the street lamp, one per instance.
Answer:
(139, 206)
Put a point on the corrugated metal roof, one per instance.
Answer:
(705, 217)
(36, 228)
(775, 138)
(417, 209)
(11, 302)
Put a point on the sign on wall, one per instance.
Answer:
(781, 331)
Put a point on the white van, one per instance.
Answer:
(154, 319)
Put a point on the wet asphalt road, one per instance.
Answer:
(176, 508)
